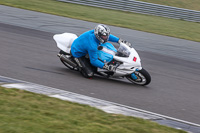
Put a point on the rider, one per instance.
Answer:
(88, 43)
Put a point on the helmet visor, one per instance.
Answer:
(104, 37)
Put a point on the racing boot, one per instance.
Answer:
(85, 67)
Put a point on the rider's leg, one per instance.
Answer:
(85, 67)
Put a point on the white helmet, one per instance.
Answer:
(102, 33)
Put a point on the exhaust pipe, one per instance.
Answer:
(67, 60)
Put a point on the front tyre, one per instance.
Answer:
(143, 77)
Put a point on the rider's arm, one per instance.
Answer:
(113, 38)
(94, 59)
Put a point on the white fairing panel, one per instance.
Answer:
(130, 63)
(64, 41)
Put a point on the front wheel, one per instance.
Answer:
(143, 77)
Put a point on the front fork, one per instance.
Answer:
(133, 76)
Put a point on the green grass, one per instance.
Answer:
(188, 4)
(147, 23)
(25, 112)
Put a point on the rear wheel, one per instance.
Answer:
(143, 77)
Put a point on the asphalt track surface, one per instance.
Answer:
(29, 53)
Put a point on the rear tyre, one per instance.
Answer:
(143, 77)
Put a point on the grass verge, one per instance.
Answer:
(147, 23)
(26, 112)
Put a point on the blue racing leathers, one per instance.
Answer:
(87, 43)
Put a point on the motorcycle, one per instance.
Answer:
(125, 59)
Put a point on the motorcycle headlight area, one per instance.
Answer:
(123, 51)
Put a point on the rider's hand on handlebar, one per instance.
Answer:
(109, 67)
(125, 42)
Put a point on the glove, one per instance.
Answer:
(124, 41)
(109, 67)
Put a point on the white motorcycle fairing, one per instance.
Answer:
(130, 63)
(131, 60)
